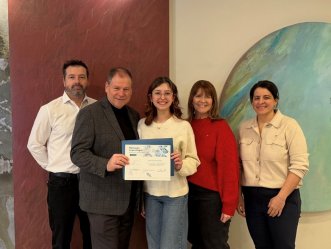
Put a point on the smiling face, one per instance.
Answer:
(263, 102)
(202, 104)
(119, 90)
(162, 97)
(75, 81)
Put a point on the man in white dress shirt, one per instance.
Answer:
(50, 144)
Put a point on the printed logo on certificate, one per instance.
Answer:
(149, 159)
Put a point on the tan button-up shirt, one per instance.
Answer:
(267, 158)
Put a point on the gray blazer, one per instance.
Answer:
(96, 137)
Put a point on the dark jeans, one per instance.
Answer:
(271, 232)
(63, 206)
(206, 231)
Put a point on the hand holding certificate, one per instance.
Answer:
(149, 159)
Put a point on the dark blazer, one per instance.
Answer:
(97, 136)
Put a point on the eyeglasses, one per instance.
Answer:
(164, 94)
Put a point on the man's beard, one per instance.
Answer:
(76, 90)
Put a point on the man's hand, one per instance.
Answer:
(117, 161)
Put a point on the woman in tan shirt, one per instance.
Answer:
(274, 159)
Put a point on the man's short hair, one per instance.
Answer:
(74, 63)
(122, 71)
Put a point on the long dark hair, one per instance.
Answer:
(151, 111)
(209, 89)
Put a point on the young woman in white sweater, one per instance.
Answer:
(166, 201)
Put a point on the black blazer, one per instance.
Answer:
(96, 137)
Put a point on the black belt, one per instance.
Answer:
(64, 175)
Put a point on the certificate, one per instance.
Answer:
(149, 159)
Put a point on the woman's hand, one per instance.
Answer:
(224, 217)
(142, 212)
(177, 157)
(241, 206)
(276, 205)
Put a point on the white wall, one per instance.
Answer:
(207, 38)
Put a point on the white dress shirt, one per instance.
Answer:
(50, 138)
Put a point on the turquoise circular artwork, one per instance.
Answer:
(297, 59)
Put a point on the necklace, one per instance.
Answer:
(158, 125)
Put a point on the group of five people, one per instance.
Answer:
(81, 148)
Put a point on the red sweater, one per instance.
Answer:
(219, 168)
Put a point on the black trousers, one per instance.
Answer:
(63, 206)
(271, 232)
(113, 231)
(206, 231)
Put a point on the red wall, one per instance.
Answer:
(42, 35)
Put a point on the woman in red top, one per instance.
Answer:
(213, 194)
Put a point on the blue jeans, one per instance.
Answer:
(166, 222)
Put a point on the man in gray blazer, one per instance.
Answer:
(108, 199)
